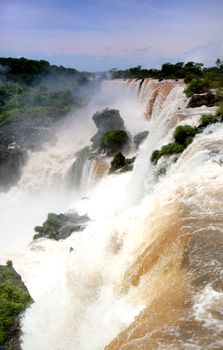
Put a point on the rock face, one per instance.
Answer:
(110, 139)
(201, 100)
(61, 226)
(140, 137)
(12, 157)
(106, 120)
(121, 164)
(14, 299)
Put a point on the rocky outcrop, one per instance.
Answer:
(140, 137)
(121, 164)
(106, 121)
(60, 226)
(12, 158)
(14, 299)
(202, 100)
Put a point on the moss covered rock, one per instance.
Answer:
(207, 119)
(202, 100)
(113, 141)
(183, 132)
(60, 226)
(121, 164)
(183, 136)
(12, 157)
(14, 299)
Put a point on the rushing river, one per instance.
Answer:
(146, 273)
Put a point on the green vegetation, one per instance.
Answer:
(33, 96)
(190, 71)
(14, 299)
(114, 140)
(38, 102)
(51, 227)
(197, 86)
(167, 150)
(200, 79)
(60, 226)
(28, 72)
(121, 163)
(207, 119)
(183, 136)
(183, 133)
(220, 110)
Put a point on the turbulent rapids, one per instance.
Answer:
(146, 272)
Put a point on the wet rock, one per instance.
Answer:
(108, 119)
(60, 226)
(105, 121)
(121, 164)
(12, 158)
(140, 137)
(202, 100)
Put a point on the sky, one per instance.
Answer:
(98, 35)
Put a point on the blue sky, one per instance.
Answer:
(98, 35)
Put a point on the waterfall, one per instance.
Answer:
(146, 271)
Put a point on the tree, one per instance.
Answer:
(218, 62)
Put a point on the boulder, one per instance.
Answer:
(60, 226)
(121, 164)
(202, 100)
(105, 121)
(108, 119)
(12, 158)
(140, 137)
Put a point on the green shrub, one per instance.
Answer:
(167, 150)
(13, 300)
(183, 132)
(156, 155)
(114, 140)
(207, 119)
(220, 110)
(118, 162)
(197, 86)
(183, 136)
(121, 163)
(171, 148)
(50, 227)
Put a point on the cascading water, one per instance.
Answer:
(146, 271)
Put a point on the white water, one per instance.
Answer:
(79, 299)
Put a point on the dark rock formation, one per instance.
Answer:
(106, 120)
(201, 100)
(140, 137)
(12, 158)
(121, 164)
(60, 226)
(14, 299)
